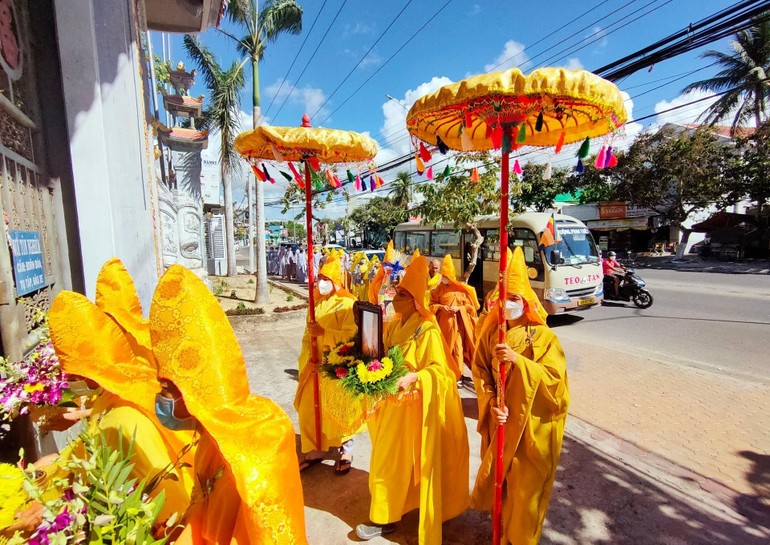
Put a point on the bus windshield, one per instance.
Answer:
(576, 246)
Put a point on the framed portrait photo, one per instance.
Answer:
(369, 336)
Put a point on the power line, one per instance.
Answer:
(362, 58)
(309, 32)
(412, 37)
(294, 85)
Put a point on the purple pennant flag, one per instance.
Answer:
(372, 183)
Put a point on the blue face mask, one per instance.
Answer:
(164, 410)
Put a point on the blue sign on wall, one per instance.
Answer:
(27, 261)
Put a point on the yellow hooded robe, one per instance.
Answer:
(419, 440)
(537, 397)
(110, 344)
(341, 416)
(455, 305)
(247, 488)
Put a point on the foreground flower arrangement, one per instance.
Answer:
(359, 375)
(37, 380)
(88, 498)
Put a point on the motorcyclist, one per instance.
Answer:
(611, 267)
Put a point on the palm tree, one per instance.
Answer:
(743, 77)
(222, 117)
(401, 191)
(262, 27)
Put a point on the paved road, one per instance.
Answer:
(709, 320)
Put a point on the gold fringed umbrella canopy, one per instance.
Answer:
(547, 103)
(300, 143)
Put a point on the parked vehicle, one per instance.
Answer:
(632, 289)
(566, 276)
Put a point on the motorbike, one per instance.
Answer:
(632, 288)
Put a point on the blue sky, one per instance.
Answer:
(452, 40)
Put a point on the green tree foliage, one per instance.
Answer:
(534, 192)
(401, 190)
(744, 75)
(377, 219)
(675, 173)
(458, 201)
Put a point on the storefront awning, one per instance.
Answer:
(618, 224)
(722, 220)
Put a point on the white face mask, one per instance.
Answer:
(513, 311)
(325, 286)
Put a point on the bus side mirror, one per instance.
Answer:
(556, 257)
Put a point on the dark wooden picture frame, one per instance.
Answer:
(368, 318)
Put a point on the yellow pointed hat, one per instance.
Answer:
(517, 281)
(449, 272)
(116, 295)
(90, 344)
(415, 281)
(197, 350)
(390, 252)
(332, 268)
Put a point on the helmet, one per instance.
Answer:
(611, 254)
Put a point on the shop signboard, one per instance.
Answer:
(608, 210)
(28, 269)
(210, 182)
(621, 223)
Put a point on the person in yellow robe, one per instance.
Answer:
(534, 414)
(419, 440)
(109, 344)
(375, 285)
(247, 485)
(455, 305)
(359, 276)
(341, 416)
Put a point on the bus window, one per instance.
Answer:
(490, 250)
(418, 240)
(400, 240)
(528, 242)
(445, 242)
(576, 246)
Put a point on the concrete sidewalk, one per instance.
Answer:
(695, 263)
(624, 476)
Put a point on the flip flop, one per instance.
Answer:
(308, 463)
(342, 466)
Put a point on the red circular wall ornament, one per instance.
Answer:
(10, 40)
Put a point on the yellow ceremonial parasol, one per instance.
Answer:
(505, 110)
(311, 146)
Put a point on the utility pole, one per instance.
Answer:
(251, 218)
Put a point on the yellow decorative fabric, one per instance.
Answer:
(299, 143)
(575, 103)
(419, 440)
(341, 416)
(455, 313)
(537, 396)
(196, 349)
(90, 344)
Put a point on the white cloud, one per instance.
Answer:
(393, 129)
(310, 98)
(574, 64)
(686, 114)
(371, 59)
(358, 28)
(476, 9)
(598, 32)
(630, 131)
(513, 56)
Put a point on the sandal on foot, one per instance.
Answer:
(308, 463)
(367, 532)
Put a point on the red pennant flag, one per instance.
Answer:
(258, 173)
(337, 181)
(379, 182)
(424, 153)
(560, 143)
(297, 175)
(314, 164)
(357, 183)
(429, 173)
(517, 167)
(475, 175)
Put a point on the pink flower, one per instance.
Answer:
(374, 365)
(341, 372)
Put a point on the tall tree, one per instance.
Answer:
(675, 173)
(401, 190)
(752, 169)
(459, 201)
(222, 117)
(262, 27)
(744, 75)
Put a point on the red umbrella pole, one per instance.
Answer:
(311, 302)
(497, 519)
